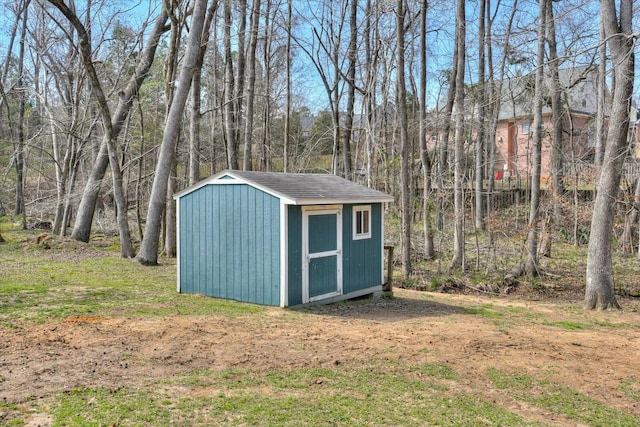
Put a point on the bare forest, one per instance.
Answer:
(502, 129)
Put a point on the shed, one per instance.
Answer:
(280, 239)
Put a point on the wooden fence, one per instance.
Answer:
(586, 173)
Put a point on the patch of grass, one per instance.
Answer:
(36, 291)
(502, 380)
(346, 410)
(631, 388)
(566, 324)
(607, 324)
(180, 304)
(12, 415)
(436, 370)
(486, 310)
(374, 393)
(102, 407)
(579, 407)
(560, 400)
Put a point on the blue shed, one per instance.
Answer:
(280, 239)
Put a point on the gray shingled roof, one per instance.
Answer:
(303, 188)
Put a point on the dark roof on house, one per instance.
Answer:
(578, 85)
(300, 188)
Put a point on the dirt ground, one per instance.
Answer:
(36, 360)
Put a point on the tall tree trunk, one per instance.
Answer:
(443, 143)
(178, 23)
(429, 250)
(19, 151)
(458, 260)
(352, 55)
(600, 98)
(229, 92)
(86, 209)
(335, 113)
(140, 172)
(170, 232)
(265, 142)
(334, 90)
(599, 291)
(287, 117)
(335, 151)
(240, 72)
(531, 265)
(495, 101)
(6, 66)
(480, 137)
(557, 145)
(74, 166)
(194, 127)
(196, 95)
(627, 241)
(149, 247)
(405, 181)
(369, 95)
(251, 85)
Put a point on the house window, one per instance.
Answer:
(526, 127)
(361, 222)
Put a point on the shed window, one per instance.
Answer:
(526, 127)
(361, 222)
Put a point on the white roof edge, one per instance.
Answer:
(198, 184)
(215, 179)
(328, 201)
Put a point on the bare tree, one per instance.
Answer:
(178, 14)
(496, 80)
(20, 143)
(618, 29)
(443, 141)
(405, 181)
(287, 118)
(556, 112)
(632, 204)
(250, 87)
(148, 254)
(196, 102)
(531, 265)
(480, 137)
(371, 60)
(325, 53)
(429, 250)
(241, 75)
(352, 55)
(600, 111)
(265, 143)
(229, 93)
(458, 260)
(86, 209)
(110, 136)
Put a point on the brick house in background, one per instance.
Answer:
(514, 133)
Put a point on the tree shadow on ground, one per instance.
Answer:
(387, 310)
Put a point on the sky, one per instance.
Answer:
(576, 18)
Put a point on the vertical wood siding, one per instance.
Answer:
(294, 254)
(361, 259)
(230, 243)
